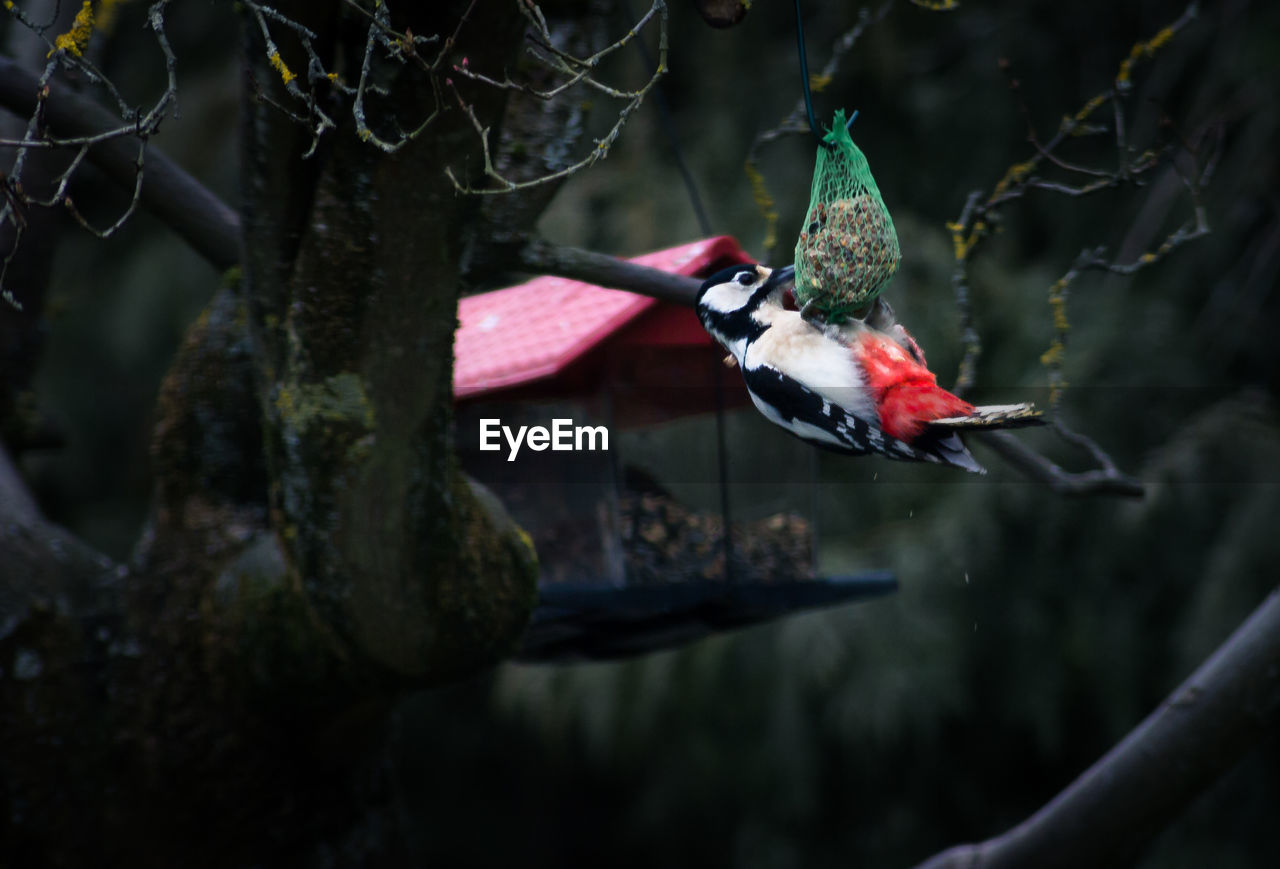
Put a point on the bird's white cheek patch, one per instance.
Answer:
(725, 299)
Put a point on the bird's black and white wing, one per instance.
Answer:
(817, 419)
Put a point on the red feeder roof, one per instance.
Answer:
(536, 330)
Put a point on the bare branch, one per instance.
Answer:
(71, 121)
(1107, 480)
(979, 214)
(383, 41)
(1107, 815)
(982, 211)
(95, 132)
(317, 118)
(179, 200)
(1095, 259)
(543, 257)
(577, 72)
(396, 46)
(969, 335)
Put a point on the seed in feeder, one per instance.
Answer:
(848, 248)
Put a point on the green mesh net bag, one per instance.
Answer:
(848, 249)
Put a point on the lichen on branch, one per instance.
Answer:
(76, 40)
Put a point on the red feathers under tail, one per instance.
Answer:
(907, 394)
(906, 408)
(909, 400)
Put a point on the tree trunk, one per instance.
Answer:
(313, 548)
(352, 284)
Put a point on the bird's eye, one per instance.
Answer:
(746, 278)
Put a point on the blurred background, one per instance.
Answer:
(1031, 631)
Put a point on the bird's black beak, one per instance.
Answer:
(780, 276)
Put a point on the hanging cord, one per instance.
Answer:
(804, 83)
(669, 131)
(804, 75)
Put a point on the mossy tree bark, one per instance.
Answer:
(313, 549)
(352, 280)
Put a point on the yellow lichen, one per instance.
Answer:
(962, 246)
(76, 40)
(1015, 174)
(278, 64)
(818, 83)
(957, 238)
(1053, 357)
(1085, 111)
(1142, 50)
(340, 398)
(768, 208)
(1058, 304)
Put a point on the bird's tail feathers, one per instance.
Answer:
(953, 452)
(993, 416)
(940, 446)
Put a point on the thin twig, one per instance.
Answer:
(576, 70)
(168, 191)
(982, 212)
(92, 131)
(1106, 480)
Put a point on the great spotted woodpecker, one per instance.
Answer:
(861, 387)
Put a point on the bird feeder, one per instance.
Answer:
(661, 506)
